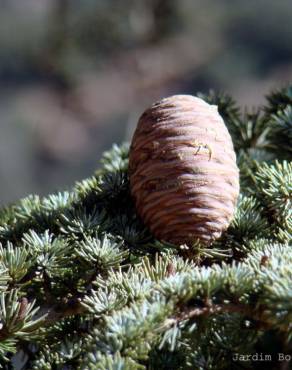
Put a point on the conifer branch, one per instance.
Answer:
(85, 285)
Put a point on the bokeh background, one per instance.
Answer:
(76, 75)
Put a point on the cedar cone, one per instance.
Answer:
(183, 172)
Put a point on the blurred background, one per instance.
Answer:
(76, 75)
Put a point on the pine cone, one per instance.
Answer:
(183, 172)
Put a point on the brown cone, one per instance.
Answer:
(183, 172)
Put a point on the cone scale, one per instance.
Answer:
(183, 173)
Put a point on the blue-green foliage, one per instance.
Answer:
(84, 284)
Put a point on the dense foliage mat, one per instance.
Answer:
(84, 285)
